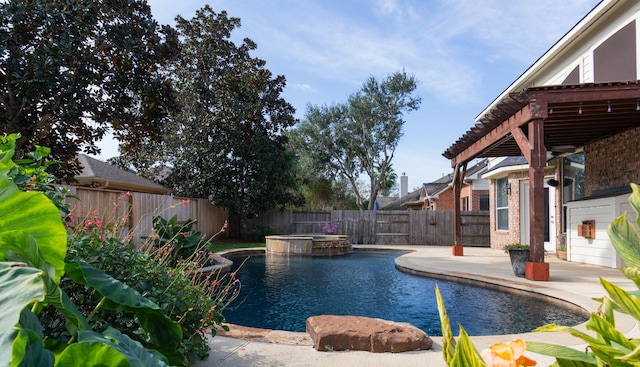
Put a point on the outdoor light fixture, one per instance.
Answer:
(580, 108)
(608, 106)
(637, 104)
(507, 189)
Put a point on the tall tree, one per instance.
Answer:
(72, 70)
(361, 135)
(226, 142)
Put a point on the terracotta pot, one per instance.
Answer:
(519, 258)
(562, 255)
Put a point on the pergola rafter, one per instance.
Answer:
(538, 119)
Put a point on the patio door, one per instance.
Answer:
(549, 216)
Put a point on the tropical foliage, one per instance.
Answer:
(33, 244)
(58, 308)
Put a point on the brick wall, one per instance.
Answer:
(445, 200)
(612, 162)
(501, 238)
(475, 199)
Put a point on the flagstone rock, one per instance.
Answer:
(335, 333)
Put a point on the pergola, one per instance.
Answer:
(528, 123)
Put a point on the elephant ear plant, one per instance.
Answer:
(606, 345)
(33, 246)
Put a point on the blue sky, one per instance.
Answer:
(463, 52)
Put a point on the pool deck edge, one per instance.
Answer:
(570, 282)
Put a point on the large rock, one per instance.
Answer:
(329, 332)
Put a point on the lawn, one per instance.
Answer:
(217, 247)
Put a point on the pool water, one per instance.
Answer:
(282, 292)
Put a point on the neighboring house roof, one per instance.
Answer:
(477, 169)
(96, 173)
(398, 204)
(433, 189)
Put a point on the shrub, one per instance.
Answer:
(258, 234)
(195, 302)
(33, 249)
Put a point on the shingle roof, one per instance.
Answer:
(398, 203)
(94, 169)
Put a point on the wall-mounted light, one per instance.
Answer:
(507, 189)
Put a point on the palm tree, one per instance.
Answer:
(388, 182)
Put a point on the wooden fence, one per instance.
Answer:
(132, 212)
(393, 227)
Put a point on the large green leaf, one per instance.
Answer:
(163, 331)
(634, 200)
(91, 354)
(627, 302)
(26, 215)
(625, 239)
(632, 274)
(136, 354)
(562, 352)
(448, 343)
(74, 320)
(19, 286)
(28, 348)
(608, 332)
(569, 363)
(7, 149)
(466, 354)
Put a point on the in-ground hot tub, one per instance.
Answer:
(308, 245)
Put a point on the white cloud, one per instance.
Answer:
(303, 87)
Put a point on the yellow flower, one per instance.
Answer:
(507, 355)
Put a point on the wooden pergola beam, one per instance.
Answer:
(494, 136)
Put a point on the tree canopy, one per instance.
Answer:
(226, 142)
(359, 136)
(70, 71)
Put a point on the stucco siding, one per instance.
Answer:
(581, 53)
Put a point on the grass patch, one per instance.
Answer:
(217, 247)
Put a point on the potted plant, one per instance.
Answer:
(561, 250)
(519, 255)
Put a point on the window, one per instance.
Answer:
(572, 182)
(484, 201)
(502, 205)
(615, 58)
(464, 203)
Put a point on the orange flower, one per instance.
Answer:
(507, 355)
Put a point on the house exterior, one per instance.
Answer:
(438, 195)
(573, 122)
(99, 174)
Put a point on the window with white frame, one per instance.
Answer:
(502, 204)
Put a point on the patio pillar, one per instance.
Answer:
(458, 179)
(536, 268)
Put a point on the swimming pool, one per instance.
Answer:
(282, 292)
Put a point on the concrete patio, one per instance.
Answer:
(570, 282)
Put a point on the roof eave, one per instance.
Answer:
(503, 171)
(557, 50)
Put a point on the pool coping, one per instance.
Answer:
(576, 289)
